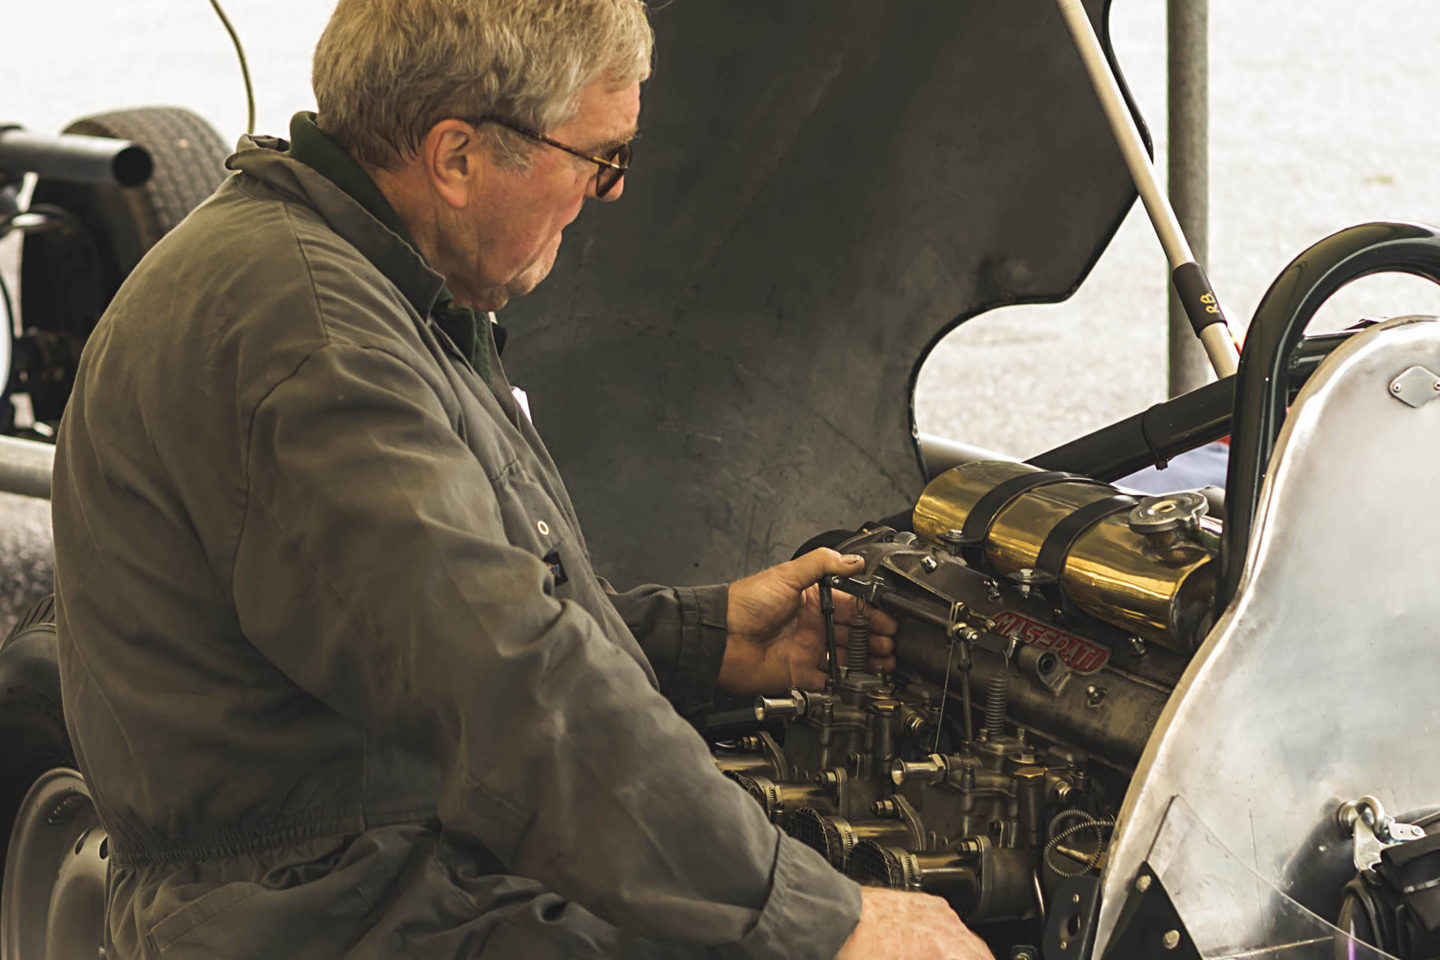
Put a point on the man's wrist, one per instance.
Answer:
(739, 665)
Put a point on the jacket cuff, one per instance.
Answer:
(702, 647)
(811, 911)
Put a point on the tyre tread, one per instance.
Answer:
(189, 157)
(42, 612)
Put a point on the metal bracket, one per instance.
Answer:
(1373, 830)
(1417, 386)
(1149, 925)
(1070, 924)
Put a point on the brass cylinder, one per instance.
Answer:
(1161, 592)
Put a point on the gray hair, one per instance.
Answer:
(386, 71)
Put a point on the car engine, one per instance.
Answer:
(1045, 618)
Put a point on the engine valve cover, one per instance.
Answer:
(1084, 537)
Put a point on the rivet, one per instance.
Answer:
(1172, 939)
(543, 527)
(1142, 883)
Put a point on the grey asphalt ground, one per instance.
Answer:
(1322, 115)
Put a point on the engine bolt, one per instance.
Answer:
(929, 564)
(1094, 696)
(1137, 646)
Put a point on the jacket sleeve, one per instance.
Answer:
(372, 568)
(682, 631)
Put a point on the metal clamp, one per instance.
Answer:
(1373, 830)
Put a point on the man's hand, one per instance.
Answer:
(895, 925)
(777, 634)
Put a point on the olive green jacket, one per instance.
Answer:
(334, 659)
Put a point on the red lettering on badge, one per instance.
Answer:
(1077, 653)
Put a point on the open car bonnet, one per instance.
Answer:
(723, 363)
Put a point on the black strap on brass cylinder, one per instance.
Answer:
(1050, 563)
(982, 516)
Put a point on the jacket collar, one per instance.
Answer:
(314, 148)
(271, 161)
(355, 208)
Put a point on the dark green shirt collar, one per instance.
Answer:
(314, 148)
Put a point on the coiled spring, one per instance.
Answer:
(1057, 833)
(997, 697)
(857, 651)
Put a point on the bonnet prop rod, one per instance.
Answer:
(1191, 284)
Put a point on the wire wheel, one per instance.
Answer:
(53, 901)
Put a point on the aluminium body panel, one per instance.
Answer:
(1316, 686)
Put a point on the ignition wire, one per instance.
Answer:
(244, 68)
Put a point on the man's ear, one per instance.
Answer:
(455, 161)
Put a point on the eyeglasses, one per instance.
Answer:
(612, 166)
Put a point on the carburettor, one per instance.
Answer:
(1044, 620)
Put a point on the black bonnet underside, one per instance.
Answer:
(722, 361)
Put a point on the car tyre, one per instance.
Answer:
(52, 877)
(33, 738)
(124, 222)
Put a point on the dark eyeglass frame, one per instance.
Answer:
(611, 168)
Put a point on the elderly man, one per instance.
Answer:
(335, 660)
